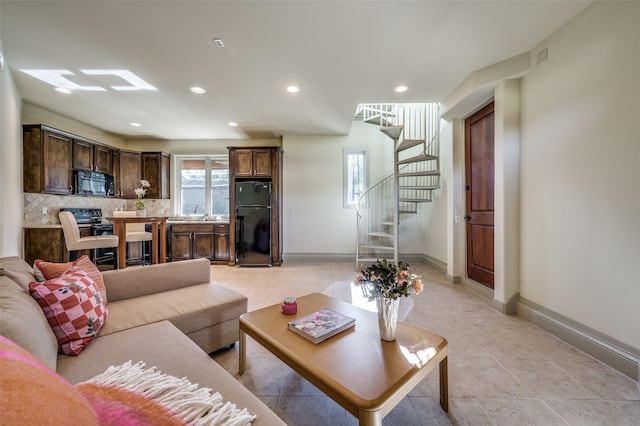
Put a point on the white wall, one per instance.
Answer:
(210, 146)
(434, 215)
(33, 114)
(580, 170)
(11, 206)
(315, 221)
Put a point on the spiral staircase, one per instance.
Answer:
(414, 129)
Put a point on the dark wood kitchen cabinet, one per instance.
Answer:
(127, 172)
(250, 162)
(48, 244)
(82, 155)
(156, 169)
(47, 157)
(221, 247)
(103, 159)
(190, 241)
(88, 155)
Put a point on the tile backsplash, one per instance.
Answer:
(34, 203)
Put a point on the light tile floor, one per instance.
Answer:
(502, 369)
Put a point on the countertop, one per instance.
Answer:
(172, 220)
(198, 220)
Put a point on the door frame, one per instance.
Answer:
(506, 98)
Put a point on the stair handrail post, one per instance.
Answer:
(396, 203)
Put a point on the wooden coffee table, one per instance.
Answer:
(358, 370)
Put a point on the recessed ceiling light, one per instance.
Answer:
(136, 124)
(293, 89)
(63, 90)
(401, 89)
(197, 90)
(232, 123)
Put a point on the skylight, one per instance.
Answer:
(58, 79)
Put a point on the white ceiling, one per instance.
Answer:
(340, 53)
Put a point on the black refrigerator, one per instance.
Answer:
(253, 223)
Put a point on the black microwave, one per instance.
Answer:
(93, 183)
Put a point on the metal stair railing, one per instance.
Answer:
(375, 224)
(415, 131)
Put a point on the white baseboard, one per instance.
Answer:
(603, 348)
(320, 257)
(351, 257)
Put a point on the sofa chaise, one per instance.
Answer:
(170, 316)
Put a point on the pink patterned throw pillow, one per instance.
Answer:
(74, 308)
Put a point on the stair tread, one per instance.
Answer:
(393, 132)
(414, 200)
(381, 234)
(424, 173)
(409, 143)
(379, 120)
(371, 246)
(423, 187)
(417, 158)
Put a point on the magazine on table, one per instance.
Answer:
(321, 325)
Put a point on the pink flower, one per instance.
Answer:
(417, 286)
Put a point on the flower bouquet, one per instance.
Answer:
(386, 282)
(140, 192)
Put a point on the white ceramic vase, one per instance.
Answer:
(387, 317)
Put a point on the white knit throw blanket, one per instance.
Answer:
(196, 406)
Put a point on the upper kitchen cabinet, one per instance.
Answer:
(91, 156)
(156, 169)
(251, 162)
(82, 155)
(47, 157)
(128, 172)
(103, 159)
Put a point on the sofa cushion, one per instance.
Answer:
(34, 394)
(74, 308)
(190, 309)
(22, 321)
(163, 346)
(140, 281)
(130, 393)
(18, 270)
(49, 270)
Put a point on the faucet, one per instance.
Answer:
(196, 209)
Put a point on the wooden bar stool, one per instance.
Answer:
(135, 232)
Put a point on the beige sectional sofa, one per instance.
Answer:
(170, 316)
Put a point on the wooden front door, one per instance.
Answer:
(479, 159)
